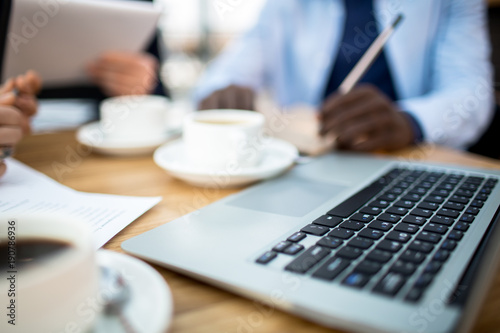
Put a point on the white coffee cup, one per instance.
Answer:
(134, 118)
(52, 293)
(222, 139)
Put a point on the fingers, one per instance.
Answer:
(8, 98)
(232, 97)
(13, 124)
(27, 104)
(120, 73)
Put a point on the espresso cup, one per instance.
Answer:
(223, 139)
(48, 275)
(134, 118)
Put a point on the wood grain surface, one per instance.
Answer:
(198, 306)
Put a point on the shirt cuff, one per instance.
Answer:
(418, 134)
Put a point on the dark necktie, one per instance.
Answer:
(359, 32)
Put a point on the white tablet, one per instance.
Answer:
(58, 38)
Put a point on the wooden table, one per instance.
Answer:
(198, 306)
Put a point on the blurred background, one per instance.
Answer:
(194, 31)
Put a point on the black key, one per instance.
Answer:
(390, 284)
(314, 229)
(403, 184)
(433, 267)
(380, 203)
(352, 225)
(448, 212)
(296, 237)
(396, 190)
(349, 252)
(419, 191)
(349, 206)
(437, 228)
(441, 255)
(429, 237)
(434, 198)
(454, 205)
(380, 225)
(404, 204)
(405, 227)
(474, 180)
(422, 212)
(420, 246)
(412, 197)
(330, 242)
(485, 190)
(341, 233)
(307, 260)
(266, 257)
(445, 186)
(331, 268)
(412, 256)
(464, 193)
(404, 268)
(281, 246)
(455, 235)
(355, 279)
(328, 221)
(387, 245)
(371, 210)
(424, 280)
(472, 210)
(362, 217)
(389, 218)
(379, 256)
(398, 236)
(477, 203)
(442, 193)
(294, 249)
(368, 267)
(397, 211)
(414, 295)
(428, 205)
(418, 220)
(482, 196)
(449, 245)
(389, 197)
(467, 218)
(461, 226)
(444, 220)
(360, 242)
(371, 233)
(459, 199)
(426, 184)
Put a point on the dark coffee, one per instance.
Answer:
(29, 251)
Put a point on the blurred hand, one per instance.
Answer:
(123, 73)
(20, 93)
(365, 120)
(232, 97)
(12, 123)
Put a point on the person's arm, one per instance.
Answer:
(459, 103)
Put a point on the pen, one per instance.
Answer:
(368, 58)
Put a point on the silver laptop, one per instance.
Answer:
(348, 241)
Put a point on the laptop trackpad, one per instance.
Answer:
(290, 196)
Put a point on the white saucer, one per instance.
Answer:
(91, 135)
(278, 156)
(150, 307)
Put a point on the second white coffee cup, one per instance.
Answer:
(223, 139)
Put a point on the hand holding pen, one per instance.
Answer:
(361, 117)
(17, 104)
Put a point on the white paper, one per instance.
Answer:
(62, 114)
(26, 191)
(59, 39)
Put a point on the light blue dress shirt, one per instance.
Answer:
(439, 58)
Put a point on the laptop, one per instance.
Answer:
(349, 241)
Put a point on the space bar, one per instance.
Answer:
(349, 206)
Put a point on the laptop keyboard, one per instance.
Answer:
(399, 230)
